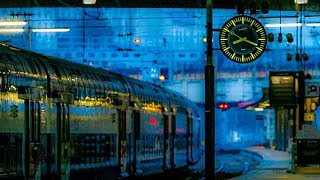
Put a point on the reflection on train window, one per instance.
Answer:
(8, 154)
(152, 147)
(181, 142)
(35, 121)
(93, 148)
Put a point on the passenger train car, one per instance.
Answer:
(59, 119)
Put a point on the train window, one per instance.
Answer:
(85, 75)
(65, 71)
(141, 86)
(32, 66)
(105, 78)
(96, 77)
(38, 66)
(156, 90)
(56, 70)
(16, 62)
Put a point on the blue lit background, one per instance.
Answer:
(171, 42)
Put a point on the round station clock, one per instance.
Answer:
(243, 39)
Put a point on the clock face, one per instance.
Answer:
(242, 39)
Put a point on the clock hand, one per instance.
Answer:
(239, 40)
(250, 42)
(242, 39)
(234, 34)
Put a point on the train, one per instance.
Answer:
(64, 120)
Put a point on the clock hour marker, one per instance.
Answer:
(233, 55)
(233, 23)
(261, 39)
(223, 39)
(226, 48)
(242, 20)
(259, 49)
(242, 58)
(226, 29)
(259, 29)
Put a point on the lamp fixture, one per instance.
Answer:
(270, 37)
(280, 38)
(313, 24)
(305, 57)
(284, 25)
(258, 109)
(50, 30)
(265, 6)
(289, 38)
(298, 58)
(11, 30)
(300, 1)
(13, 23)
(289, 57)
(89, 1)
(240, 6)
(253, 7)
(290, 25)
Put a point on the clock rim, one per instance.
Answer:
(264, 47)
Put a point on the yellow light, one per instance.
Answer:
(11, 30)
(13, 23)
(204, 39)
(313, 106)
(161, 77)
(51, 30)
(137, 41)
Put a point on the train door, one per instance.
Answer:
(31, 139)
(172, 141)
(137, 143)
(62, 148)
(122, 147)
(190, 142)
(166, 149)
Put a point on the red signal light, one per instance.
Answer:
(153, 121)
(223, 106)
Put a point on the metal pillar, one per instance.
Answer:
(209, 101)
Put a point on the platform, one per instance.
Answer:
(275, 165)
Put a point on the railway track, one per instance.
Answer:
(233, 163)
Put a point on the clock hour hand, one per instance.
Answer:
(239, 40)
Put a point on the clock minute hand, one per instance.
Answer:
(250, 42)
(234, 34)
